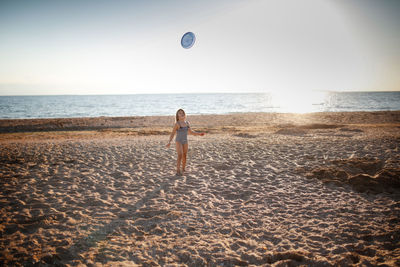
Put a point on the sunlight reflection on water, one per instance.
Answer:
(299, 102)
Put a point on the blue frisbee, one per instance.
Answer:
(188, 40)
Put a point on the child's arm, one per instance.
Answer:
(172, 134)
(193, 132)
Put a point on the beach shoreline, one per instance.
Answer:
(261, 189)
(211, 121)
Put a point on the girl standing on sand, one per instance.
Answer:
(181, 128)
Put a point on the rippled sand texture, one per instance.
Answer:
(247, 199)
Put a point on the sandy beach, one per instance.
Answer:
(261, 189)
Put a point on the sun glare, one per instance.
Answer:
(298, 102)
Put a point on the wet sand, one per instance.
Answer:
(317, 189)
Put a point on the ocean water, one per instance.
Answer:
(69, 106)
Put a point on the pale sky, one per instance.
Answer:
(130, 47)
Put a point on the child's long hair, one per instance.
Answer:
(176, 117)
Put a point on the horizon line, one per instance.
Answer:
(208, 93)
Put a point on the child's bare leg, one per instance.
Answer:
(179, 150)
(184, 155)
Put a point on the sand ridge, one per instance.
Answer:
(250, 197)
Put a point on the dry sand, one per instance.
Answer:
(261, 189)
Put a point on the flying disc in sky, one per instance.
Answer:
(188, 40)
